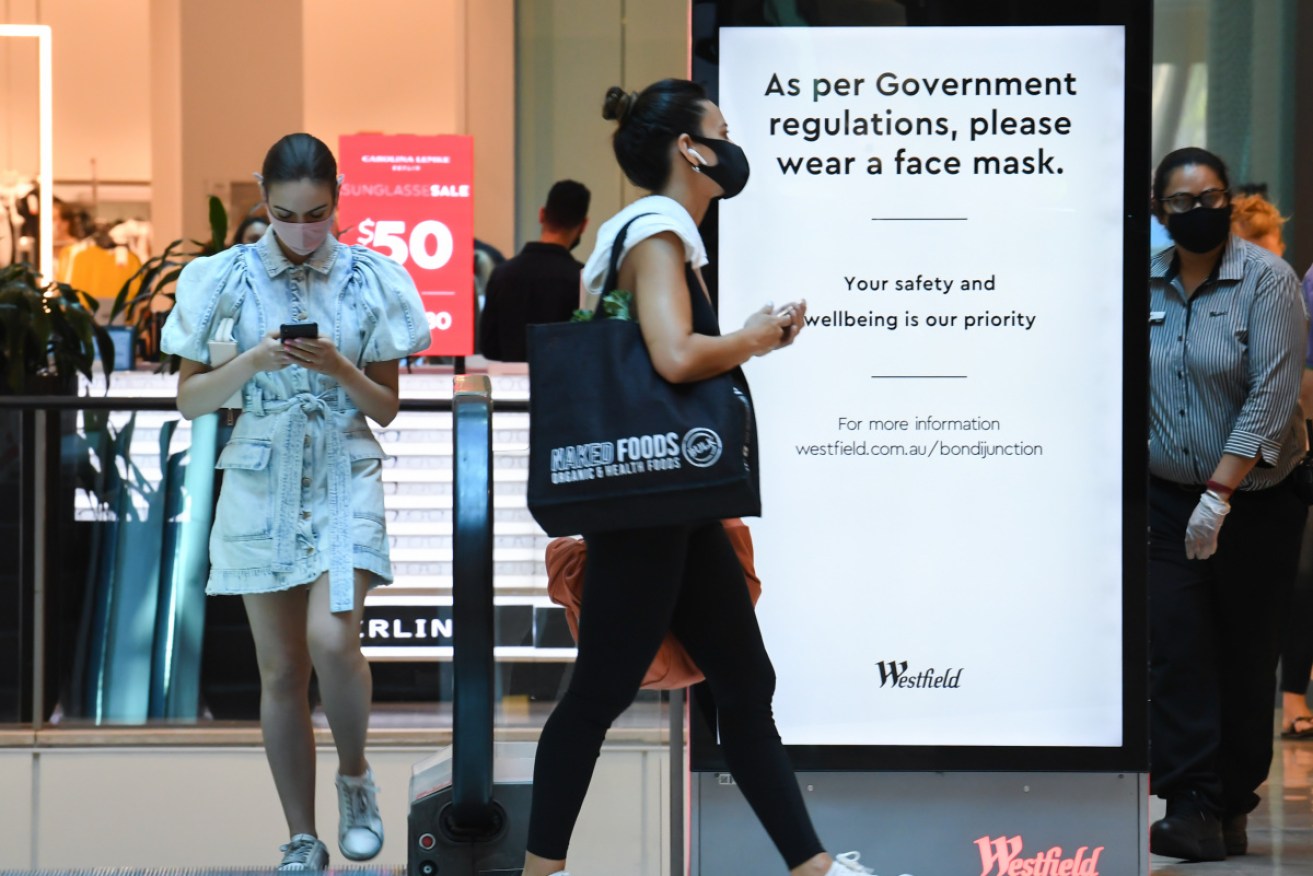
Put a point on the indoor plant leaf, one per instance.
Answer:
(218, 226)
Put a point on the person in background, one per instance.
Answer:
(252, 229)
(299, 528)
(1227, 341)
(487, 249)
(541, 284)
(1258, 221)
(70, 220)
(66, 225)
(486, 259)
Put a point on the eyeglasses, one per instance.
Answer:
(1184, 202)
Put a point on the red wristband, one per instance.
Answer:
(1219, 488)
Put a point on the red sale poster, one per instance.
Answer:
(410, 197)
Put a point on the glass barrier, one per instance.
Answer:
(15, 664)
(130, 639)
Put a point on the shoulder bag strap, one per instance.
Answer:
(613, 272)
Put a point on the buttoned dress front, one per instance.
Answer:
(302, 491)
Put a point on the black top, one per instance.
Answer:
(541, 284)
(705, 321)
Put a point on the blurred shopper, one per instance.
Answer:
(541, 284)
(490, 251)
(1227, 339)
(639, 584)
(299, 531)
(486, 259)
(67, 225)
(251, 229)
(1258, 221)
(1306, 388)
(71, 224)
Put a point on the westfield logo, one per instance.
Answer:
(894, 673)
(1004, 856)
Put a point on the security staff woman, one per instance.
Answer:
(1226, 336)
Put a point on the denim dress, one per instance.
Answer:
(302, 487)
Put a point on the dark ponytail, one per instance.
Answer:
(300, 156)
(648, 122)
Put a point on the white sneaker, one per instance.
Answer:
(359, 829)
(304, 852)
(847, 863)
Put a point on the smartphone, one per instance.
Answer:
(787, 310)
(287, 331)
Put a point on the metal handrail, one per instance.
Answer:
(473, 811)
(36, 411)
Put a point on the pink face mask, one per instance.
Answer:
(301, 238)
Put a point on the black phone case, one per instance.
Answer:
(287, 331)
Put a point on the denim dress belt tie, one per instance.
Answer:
(301, 416)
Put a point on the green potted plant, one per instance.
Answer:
(48, 335)
(156, 278)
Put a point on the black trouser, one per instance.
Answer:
(1215, 632)
(1297, 650)
(637, 585)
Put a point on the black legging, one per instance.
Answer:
(1297, 650)
(637, 585)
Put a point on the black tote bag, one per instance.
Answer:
(613, 445)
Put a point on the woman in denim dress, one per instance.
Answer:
(299, 530)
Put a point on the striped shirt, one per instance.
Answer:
(1225, 366)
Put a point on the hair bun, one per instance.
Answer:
(618, 104)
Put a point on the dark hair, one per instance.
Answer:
(253, 219)
(649, 121)
(297, 157)
(1182, 158)
(567, 204)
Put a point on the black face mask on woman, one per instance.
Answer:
(1201, 229)
(731, 169)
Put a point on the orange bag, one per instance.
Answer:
(672, 668)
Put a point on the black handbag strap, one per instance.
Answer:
(613, 272)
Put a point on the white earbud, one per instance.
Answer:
(699, 157)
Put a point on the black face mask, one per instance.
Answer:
(731, 169)
(1201, 229)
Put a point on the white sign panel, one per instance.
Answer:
(941, 450)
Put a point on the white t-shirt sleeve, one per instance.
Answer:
(655, 214)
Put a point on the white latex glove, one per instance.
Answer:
(1205, 523)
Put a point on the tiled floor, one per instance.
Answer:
(1280, 830)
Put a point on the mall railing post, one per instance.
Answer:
(472, 604)
(462, 822)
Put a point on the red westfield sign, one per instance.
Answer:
(411, 198)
